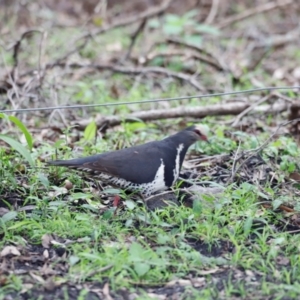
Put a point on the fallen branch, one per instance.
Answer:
(233, 108)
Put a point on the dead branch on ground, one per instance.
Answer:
(232, 108)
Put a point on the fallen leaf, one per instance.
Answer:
(106, 293)
(7, 250)
(46, 240)
(37, 277)
(182, 282)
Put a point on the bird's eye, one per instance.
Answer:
(201, 136)
(198, 132)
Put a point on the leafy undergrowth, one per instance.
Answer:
(62, 238)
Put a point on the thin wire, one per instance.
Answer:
(147, 101)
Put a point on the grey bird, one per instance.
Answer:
(146, 168)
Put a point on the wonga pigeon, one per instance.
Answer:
(146, 168)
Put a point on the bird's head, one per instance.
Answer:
(198, 132)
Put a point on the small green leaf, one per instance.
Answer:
(21, 224)
(108, 214)
(129, 223)
(193, 39)
(90, 131)
(21, 126)
(136, 251)
(163, 239)
(112, 191)
(141, 268)
(204, 28)
(171, 29)
(197, 207)
(130, 204)
(78, 196)
(90, 207)
(247, 225)
(9, 216)
(153, 23)
(276, 203)
(73, 260)
(18, 147)
(43, 180)
(24, 130)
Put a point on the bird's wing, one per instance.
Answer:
(137, 164)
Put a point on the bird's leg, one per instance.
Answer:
(117, 200)
(145, 205)
(116, 203)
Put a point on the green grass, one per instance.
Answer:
(148, 249)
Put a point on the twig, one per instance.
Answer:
(293, 231)
(40, 69)
(283, 97)
(207, 158)
(134, 37)
(213, 12)
(97, 271)
(16, 48)
(209, 58)
(247, 110)
(189, 54)
(254, 11)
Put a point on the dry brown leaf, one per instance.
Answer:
(50, 284)
(37, 277)
(106, 293)
(182, 282)
(26, 287)
(295, 176)
(210, 271)
(156, 296)
(46, 253)
(46, 240)
(198, 282)
(7, 250)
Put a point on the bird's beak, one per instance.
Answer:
(204, 138)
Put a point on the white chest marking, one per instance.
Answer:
(147, 188)
(159, 179)
(177, 163)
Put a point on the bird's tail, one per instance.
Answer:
(76, 162)
(66, 163)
